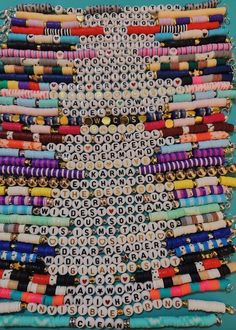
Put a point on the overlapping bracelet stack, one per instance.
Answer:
(116, 169)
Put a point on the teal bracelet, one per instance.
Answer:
(173, 321)
(186, 211)
(34, 321)
(34, 220)
(43, 321)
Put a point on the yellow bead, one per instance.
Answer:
(2, 191)
(169, 123)
(45, 192)
(228, 181)
(184, 184)
(63, 120)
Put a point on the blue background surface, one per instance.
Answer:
(229, 321)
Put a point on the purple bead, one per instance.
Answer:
(38, 172)
(216, 18)
(183, 20)
(181, 165)
(18, 21)
(53, 25)
(23, 85)
(47, 163)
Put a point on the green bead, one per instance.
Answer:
(3, 84)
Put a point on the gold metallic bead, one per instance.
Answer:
(103, 201)
(23, 305)
(40, 120)
(108, 111)
(146, 198)
(175, 204)
(88, 121)
(2, 181)
(170, 176)
(43, 182)
(180, 175)
(36, 211)
(50, 202)
(142, 118)
(16, 266)
(53, 183)
(32, 182)
(232, 168)
(21, 181)
(106, 120)
(43, 239)
(92, 280)
(190, 174)
(171, 196)
(201, 172)
(222, 170)
(211, 171)
(160, 177)
(28, 162)
(11, 181)
(15, 118)
(64, 183)
(120, 312)
(124, 120)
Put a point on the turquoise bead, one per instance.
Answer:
(39, 154)
(9, 152)
(53, 103)
(173, 321)
(17, 37)
(231, 93)
(182, 97)
(6, 100)
(163, 36)
(218, 32)
(16, 295)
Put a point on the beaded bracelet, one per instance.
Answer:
(133, 323)
(143, 276)
(194, 277)
(185, 289)
(207, 306)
